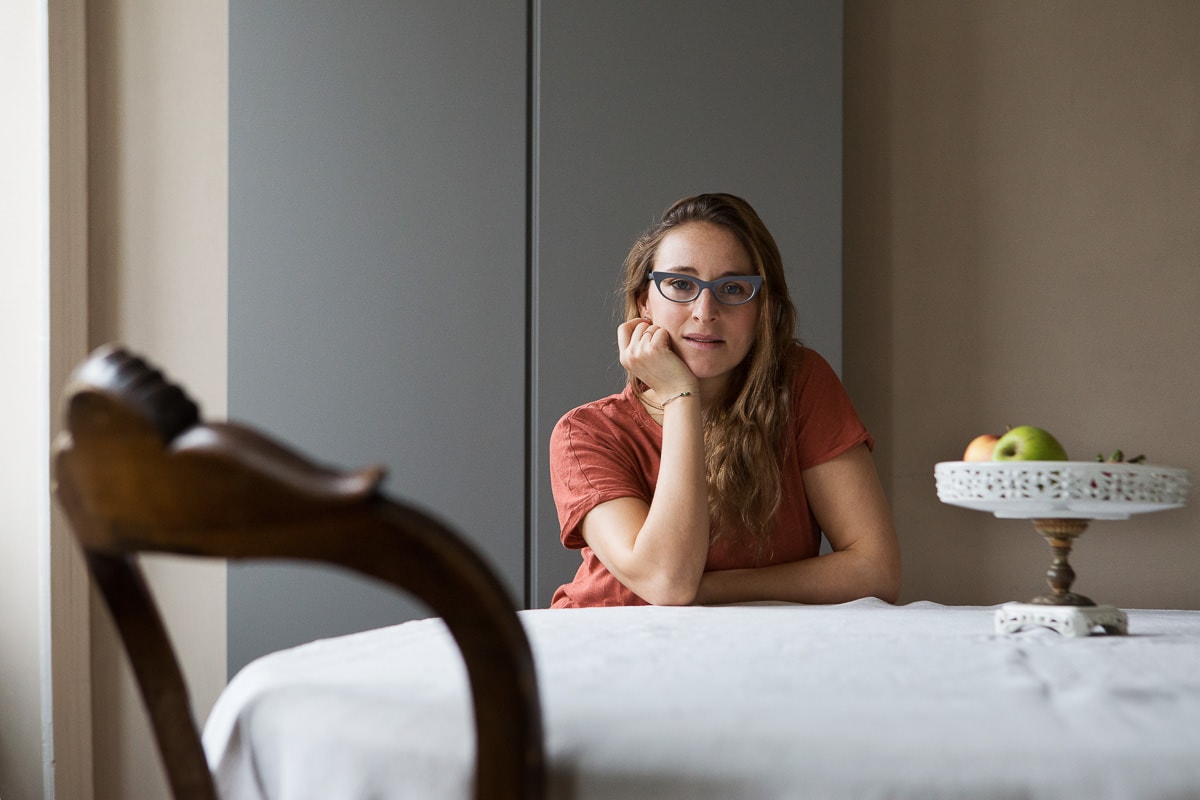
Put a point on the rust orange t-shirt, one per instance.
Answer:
(610, 448)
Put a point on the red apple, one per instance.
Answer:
(981, 447)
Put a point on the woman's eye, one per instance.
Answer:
(732, 288)
(681, 285)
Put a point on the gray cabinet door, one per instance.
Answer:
(377, 285)
(637, 104)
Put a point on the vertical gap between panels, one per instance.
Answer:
(532, 8)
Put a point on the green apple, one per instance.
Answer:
(1027, 443)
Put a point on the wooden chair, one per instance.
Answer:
(138, 471)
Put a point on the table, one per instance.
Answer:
(858, 700)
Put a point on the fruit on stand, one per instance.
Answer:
(981, 447)
(1028, 443)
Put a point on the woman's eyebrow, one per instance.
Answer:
(686, 270)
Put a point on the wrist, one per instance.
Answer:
(681, 395)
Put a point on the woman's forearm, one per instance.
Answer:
(658, 550)
(671, 547)
(833, 578)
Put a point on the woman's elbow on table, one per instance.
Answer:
(888, 588)
(663, 584)
(666, 592)
(884, 577)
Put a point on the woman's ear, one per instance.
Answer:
(644, 305)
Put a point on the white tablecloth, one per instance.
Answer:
(762, 701)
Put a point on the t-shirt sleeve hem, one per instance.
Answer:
(862, 438)
(571, 534)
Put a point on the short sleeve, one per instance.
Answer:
(826, 423)
(598, 454)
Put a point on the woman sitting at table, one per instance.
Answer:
(712, 476)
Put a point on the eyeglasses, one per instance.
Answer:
(731, 291)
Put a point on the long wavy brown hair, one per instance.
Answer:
(743, 435)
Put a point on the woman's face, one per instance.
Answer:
(712, 338)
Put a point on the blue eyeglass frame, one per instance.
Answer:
(755, 281)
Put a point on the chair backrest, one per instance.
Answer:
(137, 470)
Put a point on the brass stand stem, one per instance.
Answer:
(1060, 534)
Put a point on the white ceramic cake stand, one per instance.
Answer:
(1061, 498)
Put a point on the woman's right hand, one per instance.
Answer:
(646, 352)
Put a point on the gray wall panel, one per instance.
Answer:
(377, 273)
(638, 104)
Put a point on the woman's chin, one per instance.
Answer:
(708, 372)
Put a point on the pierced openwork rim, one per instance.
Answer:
(1067, 489)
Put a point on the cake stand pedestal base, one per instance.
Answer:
(1067, 620)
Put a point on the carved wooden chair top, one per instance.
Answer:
(137, 470)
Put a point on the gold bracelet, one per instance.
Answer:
(675, 397)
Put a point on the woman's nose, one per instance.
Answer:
(705, 306)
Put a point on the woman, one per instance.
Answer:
(712, 476)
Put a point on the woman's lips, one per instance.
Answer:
(704, 342)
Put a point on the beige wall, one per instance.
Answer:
(1022, 246)
(158, 183)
